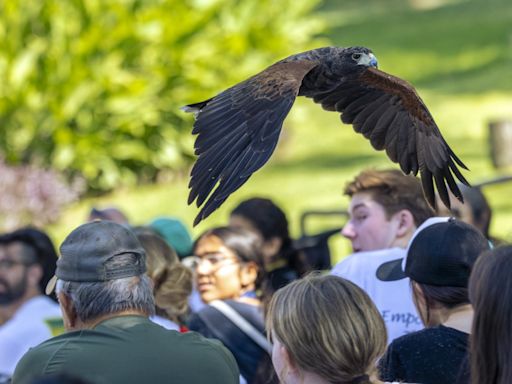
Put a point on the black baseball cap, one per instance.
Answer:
(393, 270)
(443, 254)
(87, 249)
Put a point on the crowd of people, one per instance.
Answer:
(424, 297)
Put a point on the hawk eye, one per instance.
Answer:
(356, 56)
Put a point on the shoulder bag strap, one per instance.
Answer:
(243, 324)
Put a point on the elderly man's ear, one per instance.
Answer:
(68, 311)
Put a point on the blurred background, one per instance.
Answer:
(90, 92)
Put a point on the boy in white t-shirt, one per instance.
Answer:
(385, 210)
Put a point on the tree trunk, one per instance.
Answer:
(500, 140)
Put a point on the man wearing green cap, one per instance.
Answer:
(106, 299)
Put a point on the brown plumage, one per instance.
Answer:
(238, 129)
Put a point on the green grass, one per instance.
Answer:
(457, 54)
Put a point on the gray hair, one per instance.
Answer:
(92, 300)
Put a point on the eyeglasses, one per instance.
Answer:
(213, 261)
(6, 264)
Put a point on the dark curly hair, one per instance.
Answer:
(39, 245)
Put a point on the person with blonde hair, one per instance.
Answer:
(325, 329)
(172, 281)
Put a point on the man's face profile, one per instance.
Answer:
(368, 227)
(13, 273)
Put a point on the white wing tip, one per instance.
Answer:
(189, 109)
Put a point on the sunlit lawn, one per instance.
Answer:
(458, 55)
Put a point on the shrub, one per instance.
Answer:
(93, 88)
(33, 196)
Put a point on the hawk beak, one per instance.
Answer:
(373, 61)
(369, 60)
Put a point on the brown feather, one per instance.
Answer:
(238, 129)
(393, 85)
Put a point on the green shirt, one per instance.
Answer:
(130, 349)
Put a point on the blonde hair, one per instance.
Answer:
(172, 281)
(329, 327)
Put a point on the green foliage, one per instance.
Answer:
(94, 87)
(443, 50)
(451, 46)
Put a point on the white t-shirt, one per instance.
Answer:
(35, 321)
(166, 323)
(392, 298)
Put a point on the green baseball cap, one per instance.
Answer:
(87, 249)
(174, 232)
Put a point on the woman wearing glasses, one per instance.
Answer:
(228, 267)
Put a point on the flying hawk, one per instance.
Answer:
(238, 129)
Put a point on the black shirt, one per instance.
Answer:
(280, 277)
(430, 356)
(211, 323)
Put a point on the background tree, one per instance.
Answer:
(93, 88)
